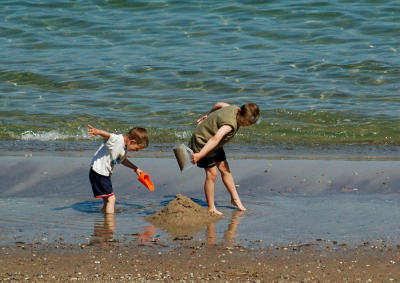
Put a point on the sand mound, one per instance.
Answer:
(182, 216)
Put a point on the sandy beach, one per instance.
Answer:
(198, 262)
(308, 220)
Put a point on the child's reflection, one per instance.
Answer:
(229, 234)
(103, 230)
(147, 233)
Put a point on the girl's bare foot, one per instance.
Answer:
(214, 210)
(238, 204)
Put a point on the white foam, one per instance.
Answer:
(43, 136)
(183, 134)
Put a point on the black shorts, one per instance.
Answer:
(101, 185)
(210, 161)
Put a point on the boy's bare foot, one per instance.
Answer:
(238, 204)
(214, 210)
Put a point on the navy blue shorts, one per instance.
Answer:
(101, 185)
(208, 162)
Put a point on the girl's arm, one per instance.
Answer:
(129, 164)
(211, 143)
(216, 106)
(92, 131)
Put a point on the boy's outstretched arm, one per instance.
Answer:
(211, 144)
(129, 164)
(92, 131)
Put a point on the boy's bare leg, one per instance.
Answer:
(109, 204)
(227, 178)
(211, 176)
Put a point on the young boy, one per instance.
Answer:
(214, 130)
(111, 152)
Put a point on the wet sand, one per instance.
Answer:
(196, 262)
(307, 221)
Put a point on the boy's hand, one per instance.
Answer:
(92, 131)
(138, 171)
(195, 157)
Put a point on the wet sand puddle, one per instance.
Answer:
(340, 220)
(288, 201)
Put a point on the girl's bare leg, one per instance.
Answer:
(211, 176)
(229, 183)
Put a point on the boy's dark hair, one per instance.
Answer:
(139, 135)
(250, 111)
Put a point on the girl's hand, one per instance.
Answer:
(195, 157)
(201, 119)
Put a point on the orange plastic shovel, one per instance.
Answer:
(145, 180)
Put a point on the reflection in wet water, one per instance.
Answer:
(230, 232)
(103, 230)
(147, 233)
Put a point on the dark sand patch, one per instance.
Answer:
(182, 216)
(197, 263)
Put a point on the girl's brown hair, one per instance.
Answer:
(250, 112)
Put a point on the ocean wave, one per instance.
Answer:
(269, 131)
(43, 136)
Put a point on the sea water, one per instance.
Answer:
(323, 72)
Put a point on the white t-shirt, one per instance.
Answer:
(111, 152)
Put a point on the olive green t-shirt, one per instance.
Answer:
(209, 127)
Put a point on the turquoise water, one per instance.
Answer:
(324, 73)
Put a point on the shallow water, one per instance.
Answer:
(45, 198)
(349, 219)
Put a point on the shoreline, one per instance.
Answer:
(234, 151)
(232, 156)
